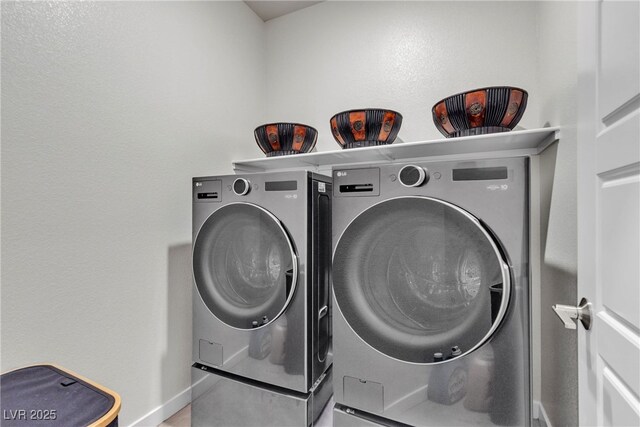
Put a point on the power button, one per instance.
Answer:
(241, 186)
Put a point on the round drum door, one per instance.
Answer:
(244, 265)
(420, 280)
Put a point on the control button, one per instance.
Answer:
(413, 176)
(393, 178)
(241, 186)
(437, 175)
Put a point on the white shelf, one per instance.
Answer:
(506, 144)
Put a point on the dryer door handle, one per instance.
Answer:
(323, 312)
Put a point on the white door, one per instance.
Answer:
(609, 211)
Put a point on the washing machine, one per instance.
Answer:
(261, 298)
(431, 288)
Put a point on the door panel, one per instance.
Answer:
(614, 147)
(620, 213)
(620, 55)
(609, 211)
(618, 405)
(619, 345)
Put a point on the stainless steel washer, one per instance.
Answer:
(431, 282)
(261, 300)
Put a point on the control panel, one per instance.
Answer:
(356, 182)
(207, 191)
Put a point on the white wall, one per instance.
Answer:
(558, 210)
(406, 56)
(108, 110)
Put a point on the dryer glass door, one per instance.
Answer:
(415, 276)
(244, 265)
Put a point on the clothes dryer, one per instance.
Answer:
(261, 296)
(431, 285)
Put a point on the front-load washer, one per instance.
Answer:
(261, 297)
(431, 285)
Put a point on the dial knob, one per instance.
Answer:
(241, 186)
(413, 176)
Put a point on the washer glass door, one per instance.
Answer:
(415, 277)
(244, 265)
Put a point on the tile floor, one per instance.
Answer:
(182, 418)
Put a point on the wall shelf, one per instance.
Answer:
(528, 142)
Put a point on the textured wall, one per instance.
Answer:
(558, 210)
(406, 56)
(108, 110)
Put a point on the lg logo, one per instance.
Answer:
(340, 173)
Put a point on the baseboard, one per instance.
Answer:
(540, 414)
(166, 410)
(179, 401)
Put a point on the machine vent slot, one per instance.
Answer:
(281, 185)
(480, 174)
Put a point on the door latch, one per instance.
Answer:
(567, 313)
